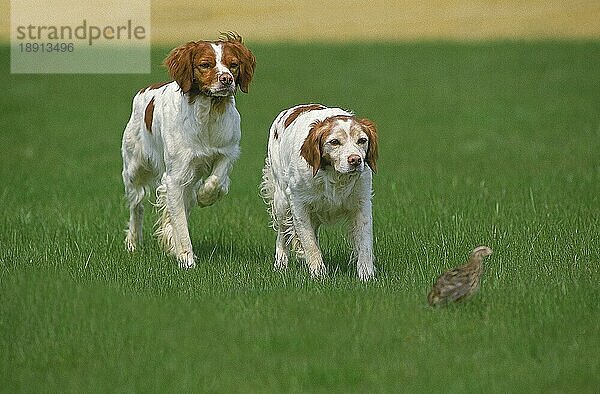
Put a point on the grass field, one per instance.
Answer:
(494, 144)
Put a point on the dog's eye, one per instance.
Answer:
(362, 140)
(334, 142)
(204, 65)
(233, 66)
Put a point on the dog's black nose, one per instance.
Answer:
(226, 79)
(354, 160)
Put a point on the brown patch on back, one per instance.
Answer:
(299, 111)
(148, 114)
(156, 85)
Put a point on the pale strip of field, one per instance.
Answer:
(325, 20)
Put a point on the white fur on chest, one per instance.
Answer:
(329, 196)
(195, 134)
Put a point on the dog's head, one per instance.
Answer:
(212, 68)
(344, 142)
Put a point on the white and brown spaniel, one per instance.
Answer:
(318, 170)
(183, 138)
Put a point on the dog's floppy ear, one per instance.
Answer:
(180, 65)
(372, 151)
(311, 148)
(246, 58)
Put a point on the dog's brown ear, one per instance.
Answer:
(372, 151)
(246, 58)
(311, 148)
(180, 65)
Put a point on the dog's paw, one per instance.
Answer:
(211, 190)
(130, 246)
(366, 272)
(317, 270)
(131, 242)
(187, 260)
(281, 260)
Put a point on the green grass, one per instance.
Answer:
(495, 144)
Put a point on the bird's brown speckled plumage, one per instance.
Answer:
(460, 282)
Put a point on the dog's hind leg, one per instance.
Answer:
(137, 176)
(282, 222)
(135, 196)
(281, 219)
(164, 225)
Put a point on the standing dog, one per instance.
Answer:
(319, 169)
(183, 137)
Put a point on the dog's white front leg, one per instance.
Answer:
(216, 185)
(177, 197)
(362, 241)
(305, 230)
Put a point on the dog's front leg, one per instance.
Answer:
(216, 185)
(178, 198)
(305, 230)
(362, 241)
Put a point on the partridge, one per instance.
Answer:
(461, 282)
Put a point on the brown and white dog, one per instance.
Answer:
(183, 138)
(319, 170)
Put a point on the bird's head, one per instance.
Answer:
(481, 252)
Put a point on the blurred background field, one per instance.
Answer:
(485, 139)
(332, 20)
